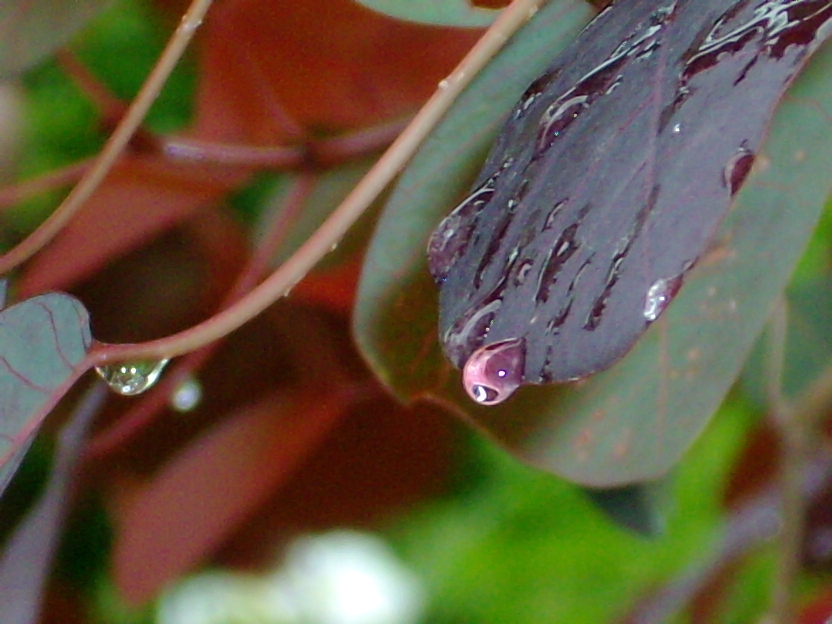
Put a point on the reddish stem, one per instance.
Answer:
(150, 407)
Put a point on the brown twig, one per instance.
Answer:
(333, 229)
(115, 144)
(146, 410)
(794, 436)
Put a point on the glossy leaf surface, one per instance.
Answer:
(31, 30)
(608, 181)
(395, 315)
(447, 13)
(43, 341)
(633, 422)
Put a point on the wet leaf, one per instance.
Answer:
(28, 553)
(631, 423)
(447, 13)
(607, 183)
(43, 341)
(395, 315)
(32, 29)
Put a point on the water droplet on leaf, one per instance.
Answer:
(131, 378)
(659, 296)
(495, 371)
(737, 169)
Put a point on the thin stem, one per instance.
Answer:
(333, 229)
(793, 458)
(10, 195)
(108, 105)
(115, 144)
(142, 414)
(321, 153)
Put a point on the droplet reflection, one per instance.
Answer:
(131, 378)
(659, 296)
(495, 371)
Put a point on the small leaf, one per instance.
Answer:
(30, 30)
(446, 13)
(43, 341)
(28, 553)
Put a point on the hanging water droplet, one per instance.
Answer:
(737, 169)
(495, 371)
(677, 128)
(659, 296)
(131, 378)
(187, 395)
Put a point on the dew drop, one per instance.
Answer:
(495, 371)
(451, 238)
(677, 128)
(131, 378)
(659, 296)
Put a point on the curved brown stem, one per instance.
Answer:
(115, 144)
(333, 229)
(143, 413)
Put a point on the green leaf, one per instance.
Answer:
(30, 30)
(808, 349)
(445, 13)
(395, 316)
(43, 342)
(633, 422)
(636, 507)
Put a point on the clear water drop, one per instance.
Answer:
(737, 169)
(659, 296)
(495, 371)
(677, 128)
(187, 395)
(131, 378)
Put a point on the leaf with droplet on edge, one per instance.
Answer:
(394, 322)
(43, 344)
(631, 423)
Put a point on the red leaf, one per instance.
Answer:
(330, 64)
(141, 198)
(210, 487)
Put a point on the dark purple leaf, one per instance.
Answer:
(28, 553)
(608, 181)
(43, 342)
